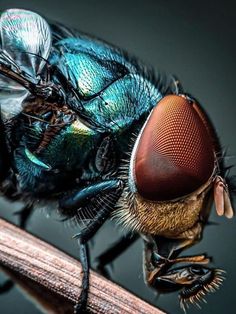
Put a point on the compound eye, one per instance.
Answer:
(175, 153)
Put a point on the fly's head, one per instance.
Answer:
(175, 173)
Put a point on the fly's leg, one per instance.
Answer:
(115, 250)
(85, 203)
(80, 307)
(83, 237)
(108, 193)
(194, 280)
(24, 214)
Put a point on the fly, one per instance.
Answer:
(92, 128)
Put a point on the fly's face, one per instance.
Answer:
(175, 173)
(174, 167)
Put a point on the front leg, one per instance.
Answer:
(193, 280)
(24, 214)
(81, 305)
(108, 193)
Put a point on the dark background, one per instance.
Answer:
(194, 40)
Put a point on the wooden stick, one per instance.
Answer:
(54, 278)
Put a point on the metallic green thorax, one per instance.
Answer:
(91, 98)
(75, 141)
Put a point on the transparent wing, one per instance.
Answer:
(25, 43)
(12, 95)
(26, 39)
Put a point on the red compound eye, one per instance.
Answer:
(175, 154)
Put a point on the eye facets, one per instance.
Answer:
(175, 155)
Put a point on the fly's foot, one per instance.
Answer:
(81, 306)
(198, 281)
(193, 282)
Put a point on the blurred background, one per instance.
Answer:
(194, 40)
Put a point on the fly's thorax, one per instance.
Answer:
(52, 148)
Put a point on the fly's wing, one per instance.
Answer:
(26, 39)
(12, 96)
(25, 43)
(112, 88)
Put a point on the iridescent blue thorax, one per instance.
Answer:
(113, 91)
(75, 125)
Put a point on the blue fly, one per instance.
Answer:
(85, 124)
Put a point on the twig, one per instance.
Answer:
(54, 278)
